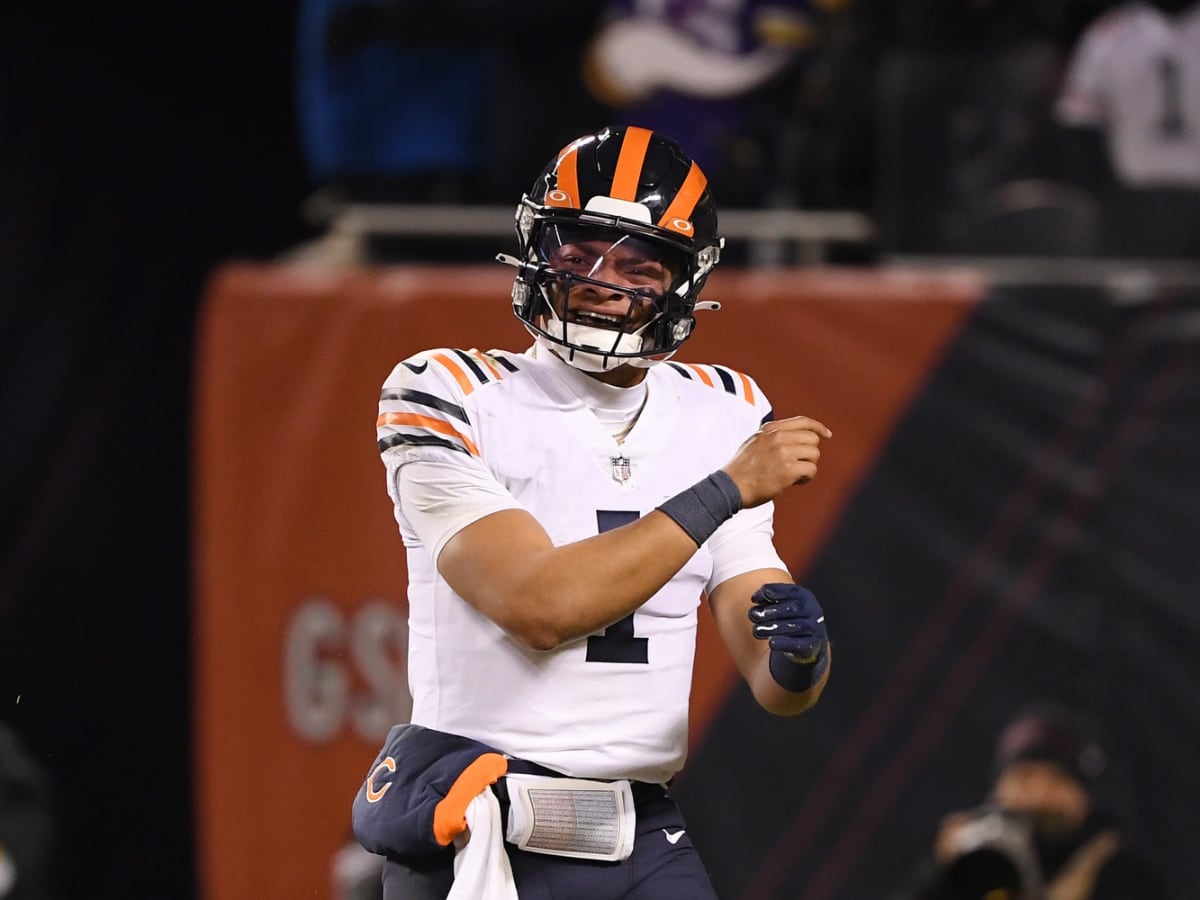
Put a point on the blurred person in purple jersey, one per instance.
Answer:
(719, 76)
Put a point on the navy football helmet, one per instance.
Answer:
(629, 192)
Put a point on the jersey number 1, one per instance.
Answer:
(618, 643)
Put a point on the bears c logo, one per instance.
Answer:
(374, 795)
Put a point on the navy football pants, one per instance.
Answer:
(658, 869)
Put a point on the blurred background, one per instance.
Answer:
(964, 233)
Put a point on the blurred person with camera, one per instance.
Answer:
(26, 822)
(1040, 834)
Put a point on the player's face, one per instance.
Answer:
(619, 281)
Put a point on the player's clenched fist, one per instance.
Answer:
(789, 617)
(778, 455)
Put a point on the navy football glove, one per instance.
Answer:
(790, 619)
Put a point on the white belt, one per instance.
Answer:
(571, 816)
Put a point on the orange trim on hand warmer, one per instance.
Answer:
(450, 815)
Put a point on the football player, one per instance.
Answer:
(564, 509)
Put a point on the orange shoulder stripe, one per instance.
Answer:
(486, 360)
(700, 372)
(746, 386)
(463, 379)
(439, 425)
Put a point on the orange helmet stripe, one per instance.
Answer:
(566, 176)
(629, 163)
(686, 198)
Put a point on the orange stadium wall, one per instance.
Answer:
(299, 573)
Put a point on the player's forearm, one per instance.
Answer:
(546, 595)
(506, 566)
(778, 700)
(761, 666)
(580, 588)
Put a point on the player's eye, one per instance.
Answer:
(574, 261)
(646, 273)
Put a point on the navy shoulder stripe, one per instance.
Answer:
(726, 379)
(423, 399)
(473, 366)
(503, 361)
(423, 440)
(681, 370)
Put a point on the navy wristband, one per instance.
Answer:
(798, 677)
(702, 508)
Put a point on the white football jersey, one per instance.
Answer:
(1135, 73)
(613, 704)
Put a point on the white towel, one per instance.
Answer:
(481, 868)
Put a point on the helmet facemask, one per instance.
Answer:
(607, 297)
(616, 239)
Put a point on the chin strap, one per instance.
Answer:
(590, 339)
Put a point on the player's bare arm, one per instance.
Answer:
(507, 567)
(730, 602)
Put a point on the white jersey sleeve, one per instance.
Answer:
(442, 497)
(746, 542)
(429, 446)
(1084, 99)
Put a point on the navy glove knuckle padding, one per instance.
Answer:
(778, 591)
(789, 618)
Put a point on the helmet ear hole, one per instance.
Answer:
(524, 220)
(682, 329)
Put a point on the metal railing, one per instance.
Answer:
(769, 235)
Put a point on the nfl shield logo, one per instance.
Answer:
(620, 468)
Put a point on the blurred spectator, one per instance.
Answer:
(833, 160)
(407, 101)
(1040, 835)
(357, 873)
(25, 823)
(1131, 104)
(716, 74)
(958, 90)
(391, 108)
